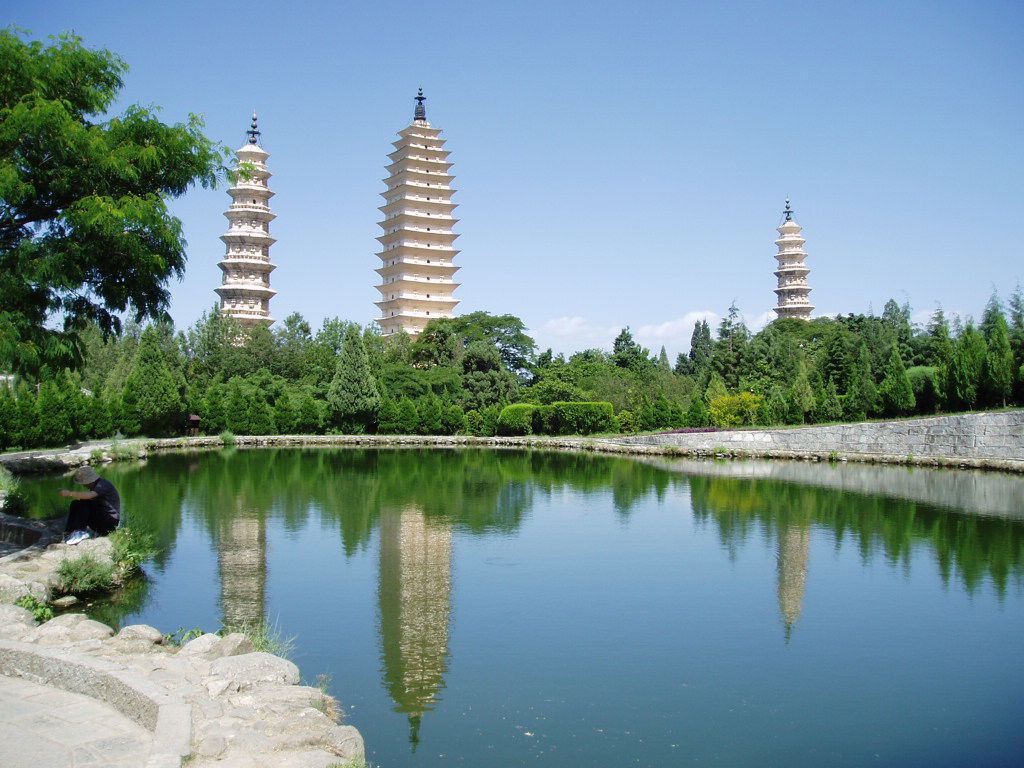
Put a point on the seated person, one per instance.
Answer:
(98, 508)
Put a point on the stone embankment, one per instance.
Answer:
(213, 701)
(990, 440)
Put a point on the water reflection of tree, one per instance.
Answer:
(970, 548)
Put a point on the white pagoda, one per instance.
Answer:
(793, 291)
(245, 291)
(418, 244)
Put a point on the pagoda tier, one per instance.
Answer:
(245, 290)
(793, 289)
(417, 248)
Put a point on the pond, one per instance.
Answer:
(505, 608)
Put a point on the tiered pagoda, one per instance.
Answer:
(793, 291)
(245, 292)
(418, 244)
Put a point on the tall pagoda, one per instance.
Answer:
(245, 291)
(793, 291)
(418, 245)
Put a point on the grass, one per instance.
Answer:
(326, 703)
(264, 636)
(228, 437)
(183, 635)
(40, 610)
(84, 575)
(130, 550)
(15, 501)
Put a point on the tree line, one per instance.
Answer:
(461, 373)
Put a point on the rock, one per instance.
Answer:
(299, 759)
(15, 614)
(211, 746)
(90, 630)
(347, 742)
(11, 588)
(199, 646)
(234, 644)
(217, 687)
(254, 669)
(63, 603)
(141, 632)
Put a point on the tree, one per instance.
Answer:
(961, 379)
(895, 391)
(802, 393)
(151, 388)
(8, 411)
(286, 415)
(729, 356)
(626, 353)
(663, 363)
(85, 232)
(862, 393)
(697, 413)
(484, 380)
(431, 413)
(309, 415)
(352, 397)
(998, 372)
(408, 418)
(701, 346)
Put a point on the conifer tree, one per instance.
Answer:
(716, 389)
(862, 394)
(697, 413)
(26, 416)
(153, 389)
(802, 393)
(998, 372)
(453, 419)
(430, 416)
(408, 418)
(309, 416)
(353, 397)
(388, 417)
(236, 416)
(963, 376)
(100, 424)
(829, 409)
(260, 415)
(285, 414)
(663, 363)
(54, 419)
(895, 392)
(701, 346)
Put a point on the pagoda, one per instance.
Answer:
(245, 291)
(792, 273)
(417, 248)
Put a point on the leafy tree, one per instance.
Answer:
(353, 397)
(26, 418)
(735, 410)
(716, 388)
(151, 389)
(294, 339)
(484, 380)
(85, 232)
(895, 392)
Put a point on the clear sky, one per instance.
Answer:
(617, 163)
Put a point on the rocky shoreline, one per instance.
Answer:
(215, 700)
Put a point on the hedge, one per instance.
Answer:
(516, 419)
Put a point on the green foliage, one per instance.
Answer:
(131, 548)
(352, 397)
(516, 419)
(735, 410)
(84, 575)
(924, 383)
(15, 501)
(268, 638)
(627, 422)
(183, 635)
(582, 418)
(697, 413)
(85, 232)
(152, 390)
(895, 392)
(485, 381)
(40, 610)
(408, 418)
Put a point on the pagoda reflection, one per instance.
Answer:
(242, 562)
(793, 553)
(414, 592)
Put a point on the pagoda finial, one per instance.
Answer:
(788, 212)
(421, 111)
(254, 131)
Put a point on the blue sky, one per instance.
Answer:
(616, 163)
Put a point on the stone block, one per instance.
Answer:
(255, 669)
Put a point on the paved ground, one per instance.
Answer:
(42, 727)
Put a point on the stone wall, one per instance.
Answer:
(997, 436)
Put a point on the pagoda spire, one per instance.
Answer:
(421, 111)
(418, 243)
(245, 291)
(793, 289)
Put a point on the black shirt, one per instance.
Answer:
(107, 497)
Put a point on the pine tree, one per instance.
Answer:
(895, 392)
(862, 394)
(716, 389)
(285, 414)
(100, 424)
(697, 414)
(430, 416)
(453, 419)
(352, 397)
(236, 416)
(731, 348)
(309, 416)
(54, 419)
(1016, 322)
(260, 415)
(961, 380)
(152, 389)
(701, 346)
(829, 409)
(408, 418)
(802, 393)
(26, 416)
(388, 422)
(998, 373)
(663, 363)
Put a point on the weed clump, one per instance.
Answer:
(84, 575)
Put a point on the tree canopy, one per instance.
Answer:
(85, 232)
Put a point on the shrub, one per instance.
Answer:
(228, 437)
(40, 610)
(516, 419)
(15, 501)
(583, 418)
(735, 410)
(474, 423)
(84, 574)
(543, 420)
(627, 422)
(130, 550)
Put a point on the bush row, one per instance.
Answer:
(559, 418)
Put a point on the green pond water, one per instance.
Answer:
(508, 608)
